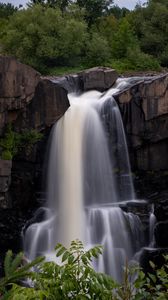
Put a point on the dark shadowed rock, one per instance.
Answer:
(5, 181)
(49, 104)
(156, 255)
(161, 234)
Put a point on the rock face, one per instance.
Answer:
(27, 101)
(98, 78)
(17, 87)
(49, 103)
(5, 180)
(144, 107)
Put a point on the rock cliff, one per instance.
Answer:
(144, 108)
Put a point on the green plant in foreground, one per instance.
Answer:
(74, 278)
(14, 272)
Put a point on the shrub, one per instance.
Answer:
(97, 50)
(13, 142)
(142, 61)
(43, 37)
(74, 278)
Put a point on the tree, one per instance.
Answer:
(7, 10)
(61, 4)
(97, 50)
(118, 12)
(94, 8)
(44, 37)
(150, 25)
(123, 39)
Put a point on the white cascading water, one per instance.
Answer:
(152, 223)
(88, 174)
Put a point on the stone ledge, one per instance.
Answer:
(99, 78)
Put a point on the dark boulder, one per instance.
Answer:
(156, 255)
(161, 234)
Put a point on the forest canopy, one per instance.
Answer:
(53, 34)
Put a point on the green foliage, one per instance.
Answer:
(9, 144)
(13, 142)
(15, 271)
(118, 12)
(141, 61)
(124, 39)
(74, 278)
(150, 25)
(7, 10)
(50, 34)
(29, 137)
(61, 4)
(44, 37)
(97, 50)
(94, 9)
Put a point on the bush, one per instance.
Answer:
(142, 61)
(42, 37)
(75, 278)
(97, 50)
(6, 155)
(13, 142)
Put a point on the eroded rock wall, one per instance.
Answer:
(144, 108)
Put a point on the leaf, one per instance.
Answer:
(61, 251)
(152, 265)
(7, 262)
(58, 246)
(65, 256)
(71, 259)
(16, 262)
(152, 277)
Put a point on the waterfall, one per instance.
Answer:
(88, 176)
(152, 223)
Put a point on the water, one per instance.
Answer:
(88, 175)
(152, 223)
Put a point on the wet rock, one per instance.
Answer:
(156, 255)
(12, 222)
(98, 78)
(161, 208)
(161, 234)
(71, 83)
